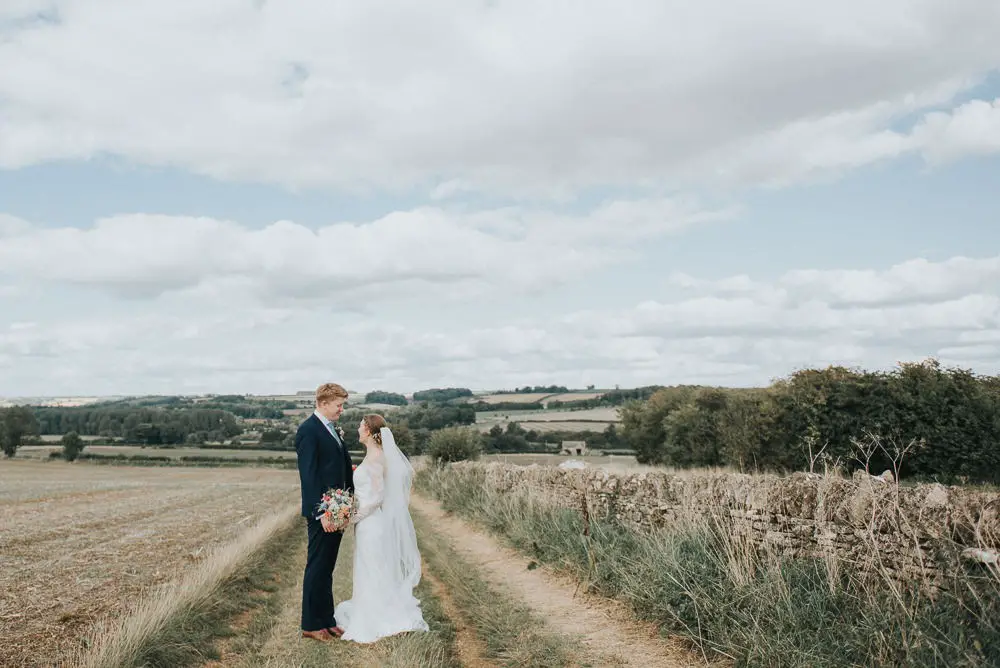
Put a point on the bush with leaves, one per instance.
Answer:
(513, 438)
(405, 440)
(454, 444)
(72, 446)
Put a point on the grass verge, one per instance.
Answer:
(283, 645)
(511, 633)
(187, 460)
(178, 624)
(715, 587)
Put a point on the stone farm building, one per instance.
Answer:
(573, 448)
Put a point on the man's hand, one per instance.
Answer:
(327, 524)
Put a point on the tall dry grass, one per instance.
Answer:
(163, 618)
(712, 583)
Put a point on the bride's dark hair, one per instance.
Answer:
(375, 422)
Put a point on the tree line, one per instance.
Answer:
(929, 421)
(536, 389)
(502, 406)
(237, 404)
(610, 399)
(149, 426)
(441, 394)
(391, 398)
(515, 438)
(246, 409)
(412, 427)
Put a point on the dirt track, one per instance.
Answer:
(612, 637)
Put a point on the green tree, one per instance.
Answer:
(439, 416)
(946, 421)
(493, 437)
(16, 423)
(196, 438)
(442, 394)
(272, 436)
(513, 438)
(692, 431)
(643, 422)
(745, 430)
(72, 446)
(380, 397)
(612, 439)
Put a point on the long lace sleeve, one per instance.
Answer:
(372, 501)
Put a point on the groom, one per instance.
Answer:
(323, 463)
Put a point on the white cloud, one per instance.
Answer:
(971, 129)
(913, 281)
(527, 102)
(401, 254)
(11, 225)
(717, 335)
(515, 98)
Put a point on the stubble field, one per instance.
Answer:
(42, 452)
(525, 398)
(79, 543)
(591, 419)
(531, 397)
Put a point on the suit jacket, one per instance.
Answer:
(323, 463)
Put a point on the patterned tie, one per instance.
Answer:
(333, 432)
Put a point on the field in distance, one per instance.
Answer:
(607, 462)
(42, 452)
(80, 542)
(590, 419)
(609, 414)
(64, 402)
(532, 397)
(377, 408)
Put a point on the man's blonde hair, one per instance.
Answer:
(329, 392)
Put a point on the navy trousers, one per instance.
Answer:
(317, 583)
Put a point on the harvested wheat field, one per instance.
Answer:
(43, 451)
(79, 542)
(526, 398)
(586, 415)
(575, 396)
(551, 425)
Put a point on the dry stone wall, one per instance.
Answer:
(923, 531)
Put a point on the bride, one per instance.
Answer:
(386, 559)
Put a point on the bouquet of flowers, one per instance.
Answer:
(337, 505)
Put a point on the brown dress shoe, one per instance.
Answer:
(322, 635)
(336, 631)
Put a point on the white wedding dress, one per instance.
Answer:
(386, 559)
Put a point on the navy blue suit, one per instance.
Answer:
(323, 463)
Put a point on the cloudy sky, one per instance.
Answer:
(259, 196)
